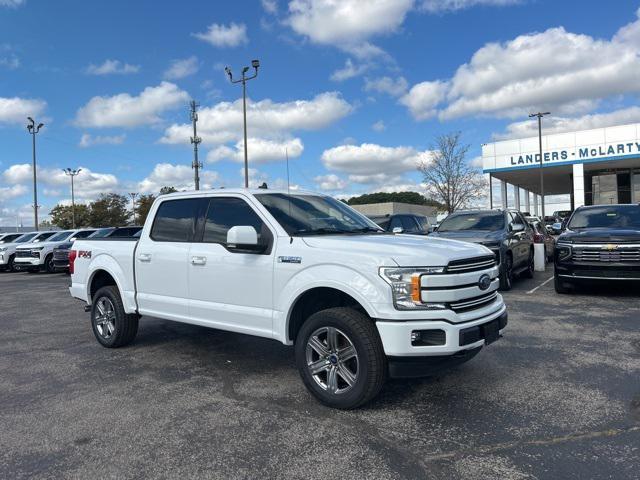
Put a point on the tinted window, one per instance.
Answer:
(10, 238)
(409, 224)
(60, 236)
(101, 233)
(84, 234)
(489, 221)
(42, 237)
(395, 223)
(26, 238)
(175, 220)
(224, 213)
(125, 231)
(607, 217)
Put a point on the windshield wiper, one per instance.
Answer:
(366, 229)
(320, 231)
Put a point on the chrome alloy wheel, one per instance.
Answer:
(105, 317)
(332, 360)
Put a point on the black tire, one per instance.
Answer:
(357, 330)
(506, 274)
(10, 266)
(560, 286)
(125, 326)
(49, 267)
(529, 272)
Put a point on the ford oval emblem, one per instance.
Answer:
(484, 282)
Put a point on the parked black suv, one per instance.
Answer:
(599, 243)
(404, 223)
(505, 232)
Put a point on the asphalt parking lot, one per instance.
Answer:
(557, 397)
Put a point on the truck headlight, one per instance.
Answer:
(564, 251)
(406, 289)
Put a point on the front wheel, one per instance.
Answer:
(340, 357)
(111, 325)
(506, 275)
(49, 266)
(560, 286)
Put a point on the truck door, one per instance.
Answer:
(230, 288)
(161, 259)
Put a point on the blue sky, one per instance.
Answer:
(355, 91)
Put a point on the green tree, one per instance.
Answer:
(61, 216)
(109, 210)
(143, 206)
(413, 198)
(164, 190)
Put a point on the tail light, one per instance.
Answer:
(72, 258)
(538, 238)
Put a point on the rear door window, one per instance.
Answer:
(175, 220)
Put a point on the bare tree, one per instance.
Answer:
(449, 177)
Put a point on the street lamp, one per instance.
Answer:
(72, 173)
(255, 64)
(539, 115)
(33, 130)
(133, 196)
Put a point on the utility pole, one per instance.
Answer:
(33, 130)
(133, 205)
(196, 165)
(255, 64)
(539, 115)
(72, 173)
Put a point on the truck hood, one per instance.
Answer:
(477, 236)
(600, 235)
(405, 250)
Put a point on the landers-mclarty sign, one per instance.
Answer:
(585, 153)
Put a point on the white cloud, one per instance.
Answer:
(12, 3)
(19, 173)
(111, 67)
(10, 61)
(350, 70)
(438, 6)
(331, 182)
(8, 193)
(260, 151)
(125, 110)
(554, 124)
(222, 123)
(393, 87)
(88, 140)
(359, 161)
(16, 110)
(554, 69)
(179, 176)
(423, 98)
(347, 24)
(270, 6)
(379, 126)
(220, 35)
(182, 68)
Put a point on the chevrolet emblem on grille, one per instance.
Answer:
(610, 247)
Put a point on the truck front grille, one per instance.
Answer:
(599, 254)
(26, 254)
(473, 303)
(61, 254)
(471, 264)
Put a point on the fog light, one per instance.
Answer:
(415, 336)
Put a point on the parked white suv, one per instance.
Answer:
(8, 250)
(38, 255)
(305, 269)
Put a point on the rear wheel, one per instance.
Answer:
(529, 272)
(560, 286)
(506, 275)
(340, 357)
(111, 325)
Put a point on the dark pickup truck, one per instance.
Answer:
(599, 243)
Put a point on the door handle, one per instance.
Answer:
(144, 257)
(198, 260)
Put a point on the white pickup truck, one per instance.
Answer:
(358, 303)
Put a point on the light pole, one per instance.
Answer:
(72, 173)
(133, 205)
(33, 130)
(540, 115)
(255, 64)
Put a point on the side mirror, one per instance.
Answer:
(72, 239)
(244, 238)
(517, 227)
(397, 230)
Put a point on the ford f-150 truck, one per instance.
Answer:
(358, 303)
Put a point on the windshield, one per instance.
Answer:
(102, 232)
(25, 238)
(42, 237)
(490, 221)
(9, 238)
(307, 214)
(61, 236)
(607, 217)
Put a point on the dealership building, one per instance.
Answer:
(592, 167)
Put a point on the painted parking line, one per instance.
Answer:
(541, 285)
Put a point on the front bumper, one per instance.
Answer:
(4, 258)
(26, 262)
(61, 264)
(445, 338)
(588, 271)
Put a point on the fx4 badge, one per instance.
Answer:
(84, 253)
(289, 259)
